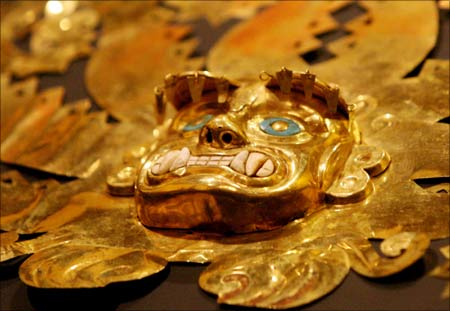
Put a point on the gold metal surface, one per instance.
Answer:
(17, 20)
(8, 51)
(7, 238)
(315, 176)
(282, 276)
(217, 12)
(443, 271)
(38, 132)
(66, 265)
(128, 64)
(19, 199)
(42, 137)
(235, 171)
(321, 247)
(443, 4)
(116, 14)
(16, 99)
(383, 45)
(64, 34)
(18, 17)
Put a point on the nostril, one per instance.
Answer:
(226, 138)
(209, 136)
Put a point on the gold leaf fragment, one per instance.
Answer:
(217, 12)
(244, 50)
(443, 271)
(122, 73)
(7, 238)
(56, 40)
(41, 138)
(18, 17)
(16, 101)
(365, 260)
(117, 14)
(275, 279)
(19, 199)
(84, 266)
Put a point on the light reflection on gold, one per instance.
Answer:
(279, 126)
(65, 24)
(54, 7)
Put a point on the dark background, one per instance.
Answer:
(175, 288)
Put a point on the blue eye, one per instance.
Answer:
(198, 124)
(279, 126)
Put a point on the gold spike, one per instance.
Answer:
(308, 80)
(170, 79)
(332, 97)
(222, 86)
(160, 104)
(196, 84)
(284, 77)
(170, 82)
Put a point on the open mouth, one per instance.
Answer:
(249, 163)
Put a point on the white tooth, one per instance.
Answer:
(200, 162)
(181, 160)
(224, 163)
(204, 158)
(167, 161)
(213, 163)
(266, 170)
(215, 158)
(192, 160)
(227, 158)
(238, 163)
(254, 162)
(155, 168)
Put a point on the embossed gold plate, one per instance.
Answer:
(278, 179)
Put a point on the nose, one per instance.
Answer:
(221, 132)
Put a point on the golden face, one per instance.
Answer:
(252, 161)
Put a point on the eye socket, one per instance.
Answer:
(198, 123)
(278, 126)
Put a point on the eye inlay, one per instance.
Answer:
(279, 126)
(197, 124)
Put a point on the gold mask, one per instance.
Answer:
(251, 156)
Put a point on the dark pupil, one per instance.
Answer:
(227, 138)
